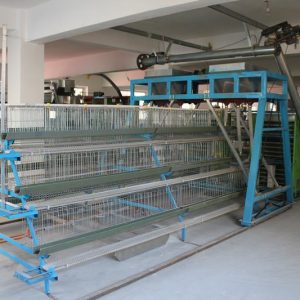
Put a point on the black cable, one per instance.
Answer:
(112, 84)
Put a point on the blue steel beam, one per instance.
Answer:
(209, 79)
(254, 164)
(16, 259)
(262, 94)
(271, 194)
(283, 106)
(16, 243)
(13, 211)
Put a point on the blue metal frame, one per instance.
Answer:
(262, 96)
(33, 274)
(163, 177)
(208, 79)
(43, 273)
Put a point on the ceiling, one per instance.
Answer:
(280, 10)
(192, 24)
(198, 23)
(63, 49)
(21, 3)
(205, 22)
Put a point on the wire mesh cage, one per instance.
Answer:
(61, 163)
(194, 154)
(49, 118)
(99, 210)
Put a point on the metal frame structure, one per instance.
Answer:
(45, 273)
(262, 93)
(296, 157)
(20, 125)
(33, 274)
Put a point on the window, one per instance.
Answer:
(81, 90)
(127, 93)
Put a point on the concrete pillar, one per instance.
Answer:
(25, 72)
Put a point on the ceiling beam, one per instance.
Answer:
(163, 38)
(231, 13)
(91, 15)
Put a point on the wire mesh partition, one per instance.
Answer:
(52, 164)
(89, 172)
(57, 159)
(197, 156)
(21, 118)
(85, 213)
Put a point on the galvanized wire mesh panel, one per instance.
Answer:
(73, 212)
(61, 221)
(78, 117)
(52, 164)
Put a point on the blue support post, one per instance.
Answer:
(168, 190)
(262, 94)
(168, 87)
(286, 150)
(236, 83)
(32, 274)
(254, 165)
(132, 91)
(251, 197)
(189, 87)
(149, 89)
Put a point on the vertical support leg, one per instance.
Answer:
(47, 287)
(239, 129)
(3, 110)
(32, 231)
(250, 125)
(254, 165)
(286, 150)
(168, 190)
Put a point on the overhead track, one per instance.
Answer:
(283, 32)
(160, 37)
(231, 13)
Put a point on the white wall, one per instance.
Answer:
(8, 16)
(89, 64)
(25, 61)
(25, 66)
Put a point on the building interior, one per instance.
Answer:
(149, 149)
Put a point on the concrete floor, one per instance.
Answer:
(260, 263)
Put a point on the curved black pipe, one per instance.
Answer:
(112, 84)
